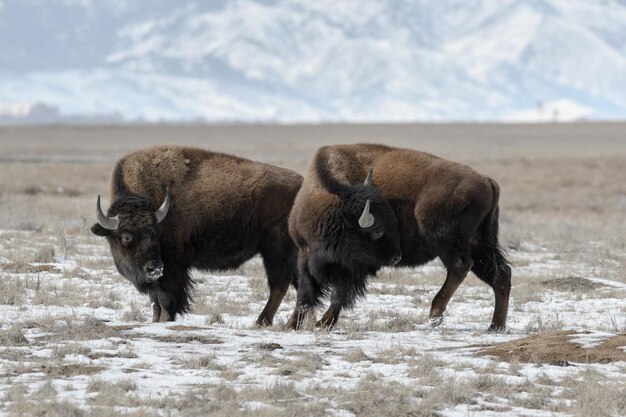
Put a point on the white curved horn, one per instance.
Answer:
(368, 179)
(109, 223)
(366, 220)
(165, 206)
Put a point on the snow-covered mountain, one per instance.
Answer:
(323, 60)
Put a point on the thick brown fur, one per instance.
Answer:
(224, 210)
(443, 209)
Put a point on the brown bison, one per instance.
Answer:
(175, 208)
(411, 208)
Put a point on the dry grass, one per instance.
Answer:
(44, 402)
(596, 396)
(304, 364)
(13, 336)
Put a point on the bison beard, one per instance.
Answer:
(224, 210)
(440, 209)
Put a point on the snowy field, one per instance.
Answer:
(75, 337)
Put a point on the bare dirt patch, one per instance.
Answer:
(181, 328)
(558, 348)
(189, 338)
(269, 346)
(24, 268)
(68, 370)
(572, 284)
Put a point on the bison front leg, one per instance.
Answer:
(346, 288)
(309, 293)
(156, 307)
(339, 298)
(301, 316)
(160, 301)
(330, 317)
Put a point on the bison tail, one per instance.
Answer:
(487, 254)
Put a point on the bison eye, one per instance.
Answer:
(378, 234)
(126, 239)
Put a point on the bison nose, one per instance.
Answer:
(396, 259)
(153, 270)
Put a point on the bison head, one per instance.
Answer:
(132, 228)
(370, 235)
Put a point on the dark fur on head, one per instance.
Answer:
(136, 214)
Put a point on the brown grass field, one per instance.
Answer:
(74, 339)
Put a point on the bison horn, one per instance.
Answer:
(366, 220)
(162, 211)
(368, 179)
(109, 223)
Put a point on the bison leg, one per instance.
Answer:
(280, 260)
(162, 306)
(329, 319)
(173, 293)
(165, 300)
(491, 266)
(309, 293)
(302, 317)
(347, 287)
(458, 266)
(160, 301)
(267, 315)
(501, 288)
(156, 307)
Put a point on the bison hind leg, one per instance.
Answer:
(281, 266)
(280, 275)
(493, 268)
(458, 262)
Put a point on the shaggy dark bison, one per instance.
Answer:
(410, 208)
(175, 208)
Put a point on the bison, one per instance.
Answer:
(175, 208)
(365, 206)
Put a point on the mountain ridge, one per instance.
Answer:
(289, 61)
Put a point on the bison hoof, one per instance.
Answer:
(291, 325)
(324, 325)
(496, 329)
(435, 321)
(262, 323)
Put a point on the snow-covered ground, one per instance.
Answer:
(88, 349)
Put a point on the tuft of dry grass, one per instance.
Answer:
(134, 313)
(392, 321)
(214, 308)
(61, 351)
(13, 336)
(542, 324)
(305, 364)
(12, 290)
(44, 402)
(356, 355)
(595, 396)
(206, 362)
